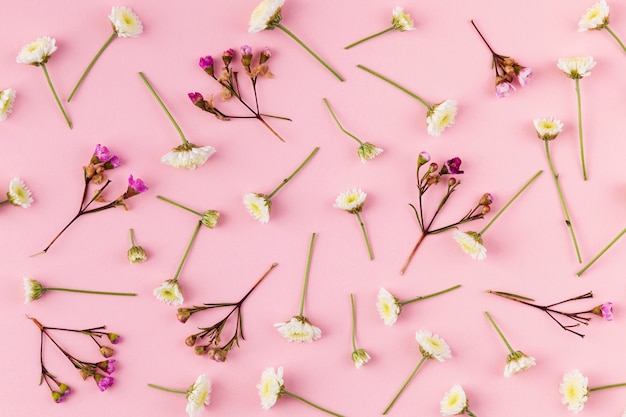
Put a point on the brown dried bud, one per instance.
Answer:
(451, 182)
(485, 210)
(218, 354)
(106, 351)
(89, 171)
(191, 340)
(486, 199)
(201, 350)
(183, 315)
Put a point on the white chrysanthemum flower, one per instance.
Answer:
(388, 306)
(351, 201)
(401, 20)
(432, 346)
(548, 128)
(37, 52)
(596, 18)
(440, 117)
(454, 402)
(198, 395)
(265, 16)
(33, 290)
(136, 255)
(471, 243)
(126, 23)
(271, 387)
(169, 292)
(367, 151)
(7, 98)
(360, 357)
(188, 156)
(258, 206)
(517, 362)
(19, 194)
(298, 329)
(574, 390)
(577, 67)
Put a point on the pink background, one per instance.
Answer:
(530, 251)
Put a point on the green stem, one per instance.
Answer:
(167, 112)
(91, 64)
(293, 174)
(175, 391)
(607, 386)
(54, 92)
(580, 130)
(353, 322)
(510, 202)
(297, 397)
(4, 202)
(123, 294)
(404, 385)
(469, 413)
(495, 326)
(193, 238)
(568, 221)
(423, 297)
(389, 29)
(309, 50)
(179, 205)
(306, 275)
(367, 241)
(595, 258)
(332, 113)
(616, 37)
(132, 237)
(382, 77)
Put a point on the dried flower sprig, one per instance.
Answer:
(517, 361)
(602, 252)
(209, 218)
(432, 176)
(359, 356)
(126, 24)
(352, 201)
(400, 21)
(19, 194)
(389, 306)
(198, 394)
(136, 254)
(507, 70)
(214, 332)
(34, 290)
(575, 390)
(455, 403)
(7, 98)
(597, 18)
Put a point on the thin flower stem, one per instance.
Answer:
(606, 248)
(389, 29)
(4, 202)
(332, 113)
(132, 237)
(293, 174)
(58, 235)
(167, 112)
(367, 241)
(54, 92)
(483, 38)
(499, 213)
(297, 397)
(404, 385)
(469, 413)
(568, 221)
(175, 391)
(309, 50)
(616, 37)
(423, 297)
(275, 117)
(353, 322)
(306, 275)
(607, 386)
(495, 326)
(274, 265)
(408, 261)
(91, 64)
(193, 238)
(123, 294)
(580, 130)
(382, 77)
(179, 205)
(269, 127)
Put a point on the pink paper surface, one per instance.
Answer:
(529, 248)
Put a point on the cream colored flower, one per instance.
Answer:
(188, 156)
(33, 290)
(19, 194)
(198, 395)
(517, 362)
(574, 390)
(471, 243)
(454, 402)
(440, 117)
(136, 255)
(432, 346)
(548, 128)
(169, 292)
(596, 18)
(265, 16)
(367, 152)
(298, 329)
(388, 306)
(7, 98)
(401, 20)
(351, 201)
(126, 23)
(360, 357)
(577, 67)
(271, 387)
(210, 218)
(37, 52)
(258, 206)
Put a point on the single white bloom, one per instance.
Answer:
(351, 201)
(360, 357)
(548, 128)
(19, 194)
(440, 117)
(258, 206)
(198, 395)
(471, 243)
(574, 390)
(597, 17)
(454, 402)
(367, 151)
(577, 67)
(37, 52)
(298, 329)
(432, 346)
(33, 290)
(401, 20)
(265, 16)
(169, 292)
(188, 156)
(517, 362)
(271, 387)
(388, 306)
(7, 98)
(126, 23)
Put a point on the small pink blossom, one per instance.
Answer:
(504, 89)
(607, 311)
(524, 75)
(137, 185)
(454, 165)
(104, 382)
(195, 97)
(423, 158)
(246, 50)
(206, 62)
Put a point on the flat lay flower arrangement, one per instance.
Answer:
(389, 209)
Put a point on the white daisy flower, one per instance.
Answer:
(265, 16)
(351, 201)
(401, 20)
(574, 390)
(440, 117)
(596, 17)
(198, 395)
(454, 402)
(188, 156)
(33, 290)
(37, 52)
(271, 387)
(432, 346)
(169, 292)
(126, 23)
(548, 128)
(258, 206)
(360, 357)
(7, 98)
(518, 362)
(298, 329)
(19, 194)
(388, 306)
(471, 243)
(577, 67)
(367, 152)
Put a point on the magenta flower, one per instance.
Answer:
(524, 75)
(195, 97)
(102, 153)
(604, 310)
(206, 62)
(104, 382)
(137, 185)
(246, 50)
(113, 338)
(504, 89)
(454, 165)
(107, 366)
(230, 52)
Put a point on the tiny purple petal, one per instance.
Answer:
(110, 366)
(137, 184)
(246, 50)
(229, 52)
(195, 97)
(454, 165)
(105, 382)
(267, 52)
(115, 161)
(524, 75)
(102, 153)
(607, 311)
(504, 89)
(206, 62)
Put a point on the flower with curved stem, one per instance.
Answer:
(34, 290)
(359, 356)
(7, 98)
(18, 194)
(209, 218)
(198, 394)
(400, 21)
(389, 306)
(602, 252)
(597, 18)
(352, 201)
(136, 254)
(516, 361)
(575, 390)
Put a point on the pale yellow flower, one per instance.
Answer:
(298, 329)
(548, 128)
(574, 390)
(351, 201)
(37, 52)
(360, 357)
(454, 402)
(440, 117)
(7, 98)
(169, 292)
(258, 205)
(596, 17)
(125, 22)
(188, 156)
(33, 290)
(367, 152)
(401, 20)
(198, 395)
(271, 387)
(471, 243)
(265, 16)
(19, 194)
(432, 346)
(388, 306)
(577, 67)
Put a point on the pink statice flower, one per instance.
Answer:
(504, 89)
(524, 75)
(137, 185)
(104, 382)
(604, 310)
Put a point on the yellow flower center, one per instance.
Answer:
(547, 125)
(452, 399)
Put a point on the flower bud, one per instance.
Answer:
(433, 167)
(360, 357)
(85, 373)
(210, 218)
(136, 255)
(218, 354)
(206, 63)
(604, 310)
(183, 315)
(89, 171)
(227, 56)
(65, 389)
(246, 55)
(201, 350)
(107, 366)
(423, 158)
(104, 382)
(266, 54)
(106, 351)
(485, 209)
(451, 182)
(486, 199)
(57, 397)
(196, 98)
(113, 338)
(191, 340)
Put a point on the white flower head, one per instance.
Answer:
(188, 156)
(440, 117)
(19, 194)
(596, 18)
(454, 402)
(367, 152)
(351, 201)
(33, 290)
(388, 306)
(271, 387)
(432, 346)
(298, 329)
(169, 292)
(360, 357)
(7, 98)
(548, 128)
(471, 243)
(125, 22)
(517, 362)
(577, 67)
(574, 390)
(198, 395)
(37, 52)
(258, 205)
(265, 16)
(401, 20)
(136, 255)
